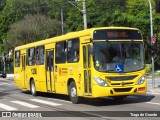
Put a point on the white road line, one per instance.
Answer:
(45, 102)
(59, 100)
(6, 107)
(25, 104)
(153, 103)
(6, 84)
(3, 83)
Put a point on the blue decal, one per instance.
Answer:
(119, 67)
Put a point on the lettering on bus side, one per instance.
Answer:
(63, 71)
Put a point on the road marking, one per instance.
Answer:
(6, 84)
(59, 100)
(25, 104)
(45, 102)
(6, 107)
(153, 103)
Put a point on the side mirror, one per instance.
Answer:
(90, 50)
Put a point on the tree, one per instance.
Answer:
(32, 28)
(2, 4)
(15, 10)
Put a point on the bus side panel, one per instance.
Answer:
(41, 78)
(61, 77)
(31, 74)
(17, 77)
(75, 72)
(65, 72)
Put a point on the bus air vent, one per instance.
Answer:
(122, 89)
(121, 78)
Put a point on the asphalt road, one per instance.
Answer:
(23, 104)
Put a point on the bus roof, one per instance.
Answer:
(67, 36)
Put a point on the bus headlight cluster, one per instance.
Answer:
(100, 81)
(141, 80)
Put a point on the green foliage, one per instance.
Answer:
(32, 28)
(148, 69)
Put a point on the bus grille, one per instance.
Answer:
(122, 89)
(121, 78)
(126, 83)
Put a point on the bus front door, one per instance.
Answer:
(87, 71)
(50, 70)
(23, 67)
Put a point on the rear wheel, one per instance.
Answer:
(33, 88)
(73, 93)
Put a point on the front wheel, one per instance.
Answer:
(73, 93)
(33, 88)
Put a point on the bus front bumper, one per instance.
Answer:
(99, 91)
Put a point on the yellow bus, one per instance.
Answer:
(92, 63)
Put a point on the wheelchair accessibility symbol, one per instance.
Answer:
(119, 68)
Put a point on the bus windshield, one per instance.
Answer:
(118, 56)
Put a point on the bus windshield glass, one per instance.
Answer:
(117, 34)
(118, 56)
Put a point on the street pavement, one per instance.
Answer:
(150, 83)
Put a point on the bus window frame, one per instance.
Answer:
(76, 51)
(60, 56)
(32, 59)
(17, 61)
(39, 58)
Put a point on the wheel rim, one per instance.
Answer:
(33, 88)
(73, 92)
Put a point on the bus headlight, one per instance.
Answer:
(100, 81)
(141, 80)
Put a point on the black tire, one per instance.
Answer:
(33, 88)
(73, 93)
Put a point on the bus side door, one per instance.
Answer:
(23, 68)
(87, 70)
(50, 70)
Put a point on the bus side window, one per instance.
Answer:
(73, 50)
(40, 55)
(31, 56)
(17, 58)
(61, 52)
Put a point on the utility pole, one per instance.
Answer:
(151, 27)
(84, 12)
(62, 23)
(4, 62)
